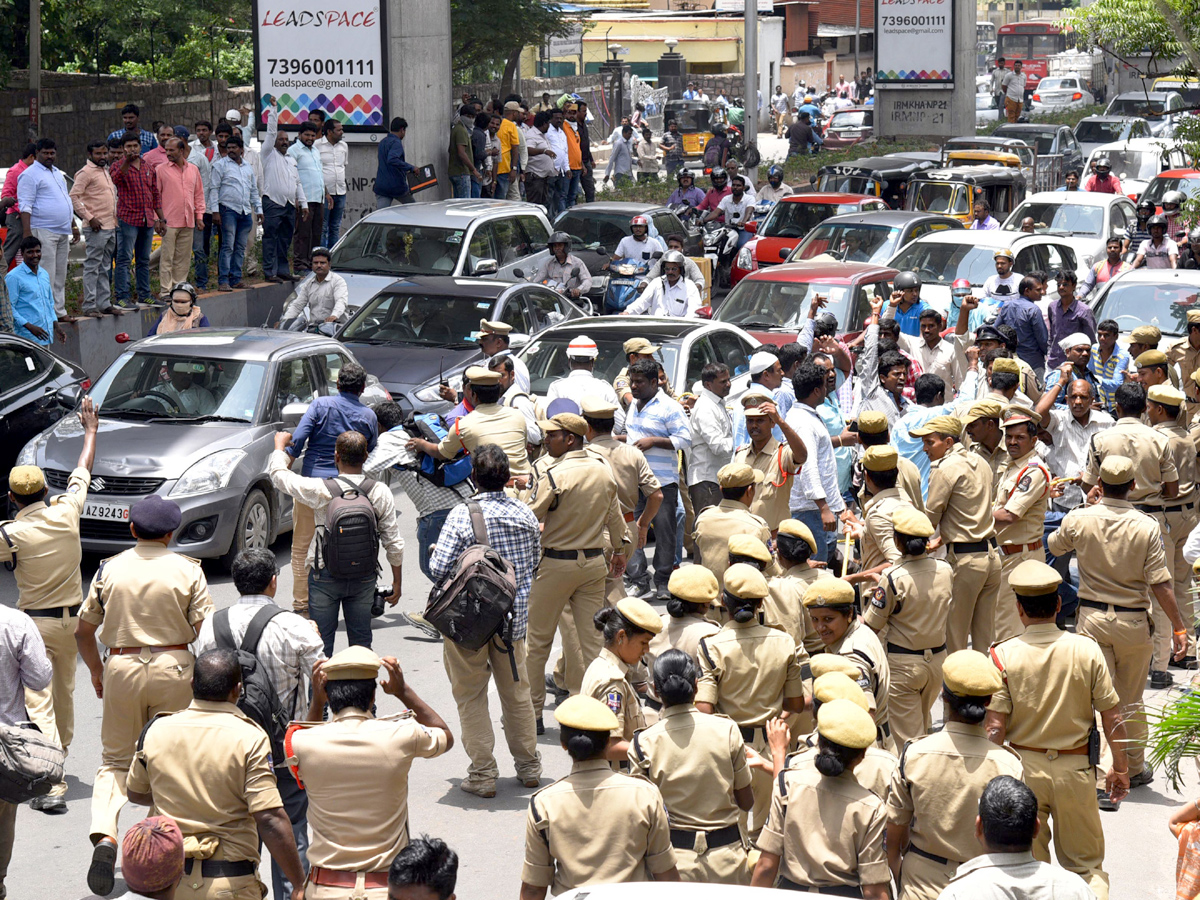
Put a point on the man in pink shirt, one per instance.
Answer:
(158, 155)
(95, 200)
(1102, 181)
(181, 194)
(8, 200)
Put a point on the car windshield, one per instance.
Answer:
(938, 197)
(849, 184)
(1141, 165)
(690, 120)
(852, 243)
(1058, 84)
(546, 358)
(147, 384)
(387, 248)
(938, 262)
(795, 220)
(1134, 106)
(779, 304)
(1162, 305)
(1061, 217)
(426, 319)
(1101, 132)
(1042, 141)
(853, 119)
(1159, 186)
(594, 230)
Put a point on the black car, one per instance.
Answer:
(30, 378)
(1049, 140)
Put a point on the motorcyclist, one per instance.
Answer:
(719, 191)
(1103, 181)
(1159, 252)
(1189, 257)
(687, 192)
(1141, 230)
(1172, 206)
(814, 111)
(691, 271)
(639, 242)
(561, 268)
(670, 294)
(735, 210)
(775, 189)
(733, 170)
(325, 295)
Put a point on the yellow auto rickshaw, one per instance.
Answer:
(694, 120)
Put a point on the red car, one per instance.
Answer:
(1185, 180)
(787, 224)
(849, 126)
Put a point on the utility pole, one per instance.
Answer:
(857, 38)
(35, 67)
(750, 115)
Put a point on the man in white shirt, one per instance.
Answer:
(283, 196)
(557, 139)
(712, 437)
(1014, 92)
(1158, 252)
(737, 208)
(334, 153)
(639, 242)
(816, 500)
(775, 190)
(580, 382)
(936, 356)
(324, 294)
(998, 288)
(669, 295)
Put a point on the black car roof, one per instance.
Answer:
(972, 175)
(869, 164)
(234, 343)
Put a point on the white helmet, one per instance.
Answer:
(233, 117)
(582, 347)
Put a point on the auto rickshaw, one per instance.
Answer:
(880, 176)
(991, 151)
(954, 192)
(695, 124)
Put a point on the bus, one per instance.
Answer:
(1032, 42)
(985, 32)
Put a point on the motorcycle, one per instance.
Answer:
(691, 222)
(624, 275)
(720, 246)
(301, 323)
(583, 301)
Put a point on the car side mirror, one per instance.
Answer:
(785, 252)
(657, 254)
(812, 179)
(520, 273)
(751, 227)
(486, 267)
(516, 340)
(69, 395)
(293, 413)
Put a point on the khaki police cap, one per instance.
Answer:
(984, 409)
(950, 425)
(26, 480)
(1166, 395)
(1151, 358)
(749, 545)
(745, 582)
(565, 422)
(829, 592)
(1015, 415)
(585, 714)
(872, 422)
(500, 328)
(481, 376)
(824, 663)
(847, 724)
(695, 584)
(1146, 334)
(880, 458)
(738, 475)
(838, 686)
(910, 520)
(1116, 470)
(1034, 578)
(968, 673)
(639, 345)
(598, 407)
(1006, 364)
(797, 529)
(352, 663)
(640, 613)
(1193, 317)
(752, 401)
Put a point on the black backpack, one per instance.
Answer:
(350, 548)
(259, 699)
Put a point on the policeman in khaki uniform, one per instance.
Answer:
(354, 769)
(146, 606)
(982, 424)
(778, 462)
(716, 525)
(634, 349)
(1121, 562)
(933, 796)
(1184, 355)
(41, 547)
(1054, 684)
(881, 496)
(873, 432)
(912, 601)
(208, 767)
(959, 506)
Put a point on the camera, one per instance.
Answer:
(377, 605)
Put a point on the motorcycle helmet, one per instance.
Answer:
(961, 288)
(775, 176)
(1194, 235)
(685, 173)
(906, 281)
(1102, 165)
(673, 256)
(1157, 221)
(187, 288)
(1145, 208)
(559, 237)
(719, 177)
(1173, 198)
(642, 221)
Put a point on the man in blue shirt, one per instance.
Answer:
(391, 178)
(907, 303)
(31, 296)
(1024, 316)
(325, 419)
(312, 179)
(130, 114)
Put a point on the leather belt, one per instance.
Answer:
(54, 612)
(896, 648)
(841, 890)
(338, 878)
(1115, 607)
(127, 651)
(940, 860)
(571, 554)
(720, 837)
(1149, 507)
(973, 546)
(1074, 751)
(1010, 549)
(1179, 507)
(629, 516)
(748, 731)
(221, 868)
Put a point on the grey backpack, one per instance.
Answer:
(350, 548)
(30, 763)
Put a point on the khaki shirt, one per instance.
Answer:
(490, 423)
(680, 634)
(355, 770)
(1120, 552)
(606, 679)
(1054, 683)
(1183, 454)
(147, 596)
(584, 500)
(45, 542)
(935, 789)
(621, 386)
(812, 853)
(862, 647)
(878, 541)
(1023, 488)
(631, 472)
(909, 482)
(874, 772)
(716, 525)
(697, 761)
(772, 497)
(747, 670)
(912, 600)
(784, 607)
(209, 768)
(1187, 358)
(959, 501)
(1148, 449)
(995, 459)
(1002, 876)
(595, 826)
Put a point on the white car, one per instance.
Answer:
(1159, 297)
(1088, 219)
(1138, 161)
(1060, 92)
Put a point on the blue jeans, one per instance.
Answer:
(556, 196)
(333, 221)
(133, 240)
(573, 187)
(201, 241)
(501, 186)
(460, 186)
(326, 594)
(476, 189)
(428, 528)
(1069, 591)
(278, 225)
(812, 518)
(295, 804)
(235, 231)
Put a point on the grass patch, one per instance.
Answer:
(1064, 117)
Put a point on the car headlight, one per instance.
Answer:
(431, 395)
(28, 454)
(212, 473)
(745, 259)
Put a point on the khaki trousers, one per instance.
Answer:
(174, 258)
(8, 829)
(52, 709)
(915, 684)
(568, 673)
(197, 887)
(575, 584)
(922, 878)
(1066, 791)
(136, 689)
(469, 673)
(1178, 526)
(1008, 620)
(973, 608)
(721, 865)
(304, 526)
(358, 892)
(761, 784)
(1124, 638)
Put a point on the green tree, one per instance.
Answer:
(487, 36)
(204, 53)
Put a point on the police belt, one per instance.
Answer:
(720, 837)
(1115, 607)
(571, 554)
(221, 868)
(973, 546)
(841, 890)
(940, 860)
(1010, 549)
(896, 648)
(1176, 507)
(134, 651)
(54, 612)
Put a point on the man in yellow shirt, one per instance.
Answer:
(510, 140)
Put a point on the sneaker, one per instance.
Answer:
(1105, 802)
(224, 288)
(1160, 680)
(485, 789)
(1141, 778)
(100, 876)
(639, 589)
(552, 687)
(661, 594)
(49, 803)
(418, 621)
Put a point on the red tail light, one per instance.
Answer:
(1037, 98)
(1077, 96)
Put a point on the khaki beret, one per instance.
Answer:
(872, 422)
(838, 686)
(847, 724)
(1034, 578)
(1015, 415)
(984, 409)
(695, 584)
(1151, 358)
(639, 345)
(823, 664)
(26, 480)
(480, 375)
(745, 582)
(352, 663)
(738, 475)
(1006, 364)
(969, 673)
(950, 425)
(598, 407)
(585, 714)
(500, 328)
(1116, 470)
(640, 613)
(910, 520)
(565, 422)
(1165, 394)
(829, 592)
(880, 458)
(1193, 317)
(797, 529)
(1145, 334)
(749, 545)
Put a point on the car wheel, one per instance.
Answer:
(253, 530)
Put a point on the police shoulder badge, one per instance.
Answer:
(878, 598)
(613, 700)
(1025, 482)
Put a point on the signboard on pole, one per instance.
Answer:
(310, 56)
(914, 43)
(570, 44)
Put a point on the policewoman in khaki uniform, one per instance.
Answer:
(751, 673)
(717, 524)
(354, 768)
(208, 767)
(777, 462)
(693, 591)
(959, 506)
(41, 547)
(699, 763)
(145, 605)
(595, 826)
(880, 497)
(1054, 684)
(797, 843)
(784, 606)
(873, 432)
(933, 797)
(912, 601)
